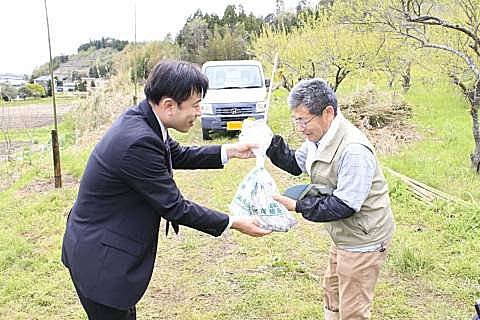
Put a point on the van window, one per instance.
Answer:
(221, 77)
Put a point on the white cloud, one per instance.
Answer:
(74, 22)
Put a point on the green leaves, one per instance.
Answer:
(325, 46)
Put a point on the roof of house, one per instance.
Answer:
(42, 78)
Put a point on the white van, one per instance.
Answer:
(237, 91)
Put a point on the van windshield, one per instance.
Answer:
(233, 77)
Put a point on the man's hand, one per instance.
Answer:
(240, 150)
(248, 225)
(289, 203)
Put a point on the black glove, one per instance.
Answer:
(323, 208)
(282, 156)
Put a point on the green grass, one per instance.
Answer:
(432, 270)
(442, 158)
(42, 135)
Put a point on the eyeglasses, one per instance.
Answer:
(302, 123)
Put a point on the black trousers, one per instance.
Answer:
(97, 311)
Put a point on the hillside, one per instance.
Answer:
(80, 63)
(83, 61)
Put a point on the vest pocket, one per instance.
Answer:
(357, 224)
(122, 243)
(361, 224)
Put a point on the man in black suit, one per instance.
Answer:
(110, 241)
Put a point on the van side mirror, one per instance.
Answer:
(267, 83)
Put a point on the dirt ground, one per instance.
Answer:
(30, 116)
(25, 117)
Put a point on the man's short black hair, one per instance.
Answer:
(177, 80)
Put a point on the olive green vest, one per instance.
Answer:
(374, 223)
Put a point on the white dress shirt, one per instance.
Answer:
(223, 154)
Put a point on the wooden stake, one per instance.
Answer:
(55, 147)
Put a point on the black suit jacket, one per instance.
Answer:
(127, 186)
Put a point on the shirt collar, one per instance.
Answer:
(328, 136)
(162, 128)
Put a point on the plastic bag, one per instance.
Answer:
(254, 195)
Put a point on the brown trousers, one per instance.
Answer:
(349, 283)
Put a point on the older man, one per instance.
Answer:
(357, 214)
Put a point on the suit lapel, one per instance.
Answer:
(152, 121)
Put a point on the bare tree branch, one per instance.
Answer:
(456, 80)
(435, 21)
(466, 58)
(425, 44)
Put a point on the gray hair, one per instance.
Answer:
(315, 94)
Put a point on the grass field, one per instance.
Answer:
(432, 271)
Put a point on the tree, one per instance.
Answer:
(193, 38)
(103, 43)
(93, 72)
(225, 44)
(323, 46)
(104, 70)
(49, 89)
(33, 90)
(288, 21)
(81, 86)
(235, 28)
(279, 7)
(253, 26)
(451, 29)
(75, 75)
(147, 56)
(230, 16)
(395, 60)
(302, 5)
(8, 92)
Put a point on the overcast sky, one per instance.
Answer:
(74, 22)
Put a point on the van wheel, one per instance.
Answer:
(205, 134)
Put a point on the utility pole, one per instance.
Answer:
(55, 147)
(135, 53)
(269, 94)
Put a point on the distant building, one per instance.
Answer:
(43, 81)
(15, 80)
(69, 86)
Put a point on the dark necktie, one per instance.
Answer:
(169, 156)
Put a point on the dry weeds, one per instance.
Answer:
(95, 115)
(383, 117)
